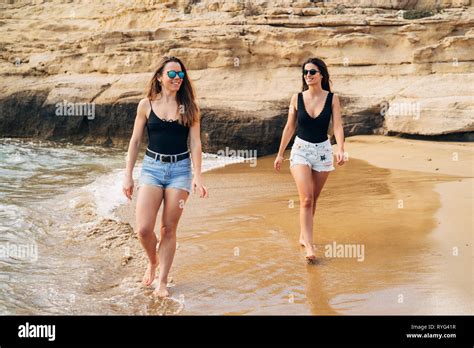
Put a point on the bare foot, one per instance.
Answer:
(310, 257)
(162, 291)
(150, 273)
(302, 242)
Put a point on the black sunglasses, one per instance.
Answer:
(311, 72)
(172, 74)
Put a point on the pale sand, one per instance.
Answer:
(414, 155)
(453, 235)
(239, 254)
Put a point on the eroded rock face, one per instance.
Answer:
(393, 75)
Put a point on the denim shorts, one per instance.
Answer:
(318, 156)
(166, 174)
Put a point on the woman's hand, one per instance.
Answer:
(197, 184)
(278, 162)
(127, 187)
(340, 156)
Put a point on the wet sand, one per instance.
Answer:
(238, 251)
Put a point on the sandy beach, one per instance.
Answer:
(405, 205)
(393, 227)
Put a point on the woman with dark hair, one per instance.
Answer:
(311, 157)
(171, 115)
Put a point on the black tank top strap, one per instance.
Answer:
(300, 101)
(330, 99)
(151, 108)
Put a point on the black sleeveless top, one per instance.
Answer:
(314, 130)
(166, 137)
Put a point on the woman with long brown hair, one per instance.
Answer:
(311, 158)
(171, 116)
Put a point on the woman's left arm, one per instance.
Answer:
(338, 129)
(196, 156)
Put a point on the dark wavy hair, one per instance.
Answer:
(185, 95)
(325, 83)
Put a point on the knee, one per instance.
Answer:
(307, 201)
(144, 232)
(315, 198)
(168, 231)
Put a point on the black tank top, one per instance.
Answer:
(314, 130)
(166, 137)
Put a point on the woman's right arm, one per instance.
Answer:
(288, 131)
(134, 146)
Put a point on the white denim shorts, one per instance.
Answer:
(318, 156)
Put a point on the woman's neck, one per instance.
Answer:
(167, 95)
(315, 89)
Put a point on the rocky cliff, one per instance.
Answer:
(399, 66)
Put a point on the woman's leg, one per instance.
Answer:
(172, 210)
(304, 182)
(319, 179)
(148, 203)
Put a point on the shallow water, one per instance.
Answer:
(55, 199)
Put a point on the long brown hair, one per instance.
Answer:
(185, 96)
(325, 83)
